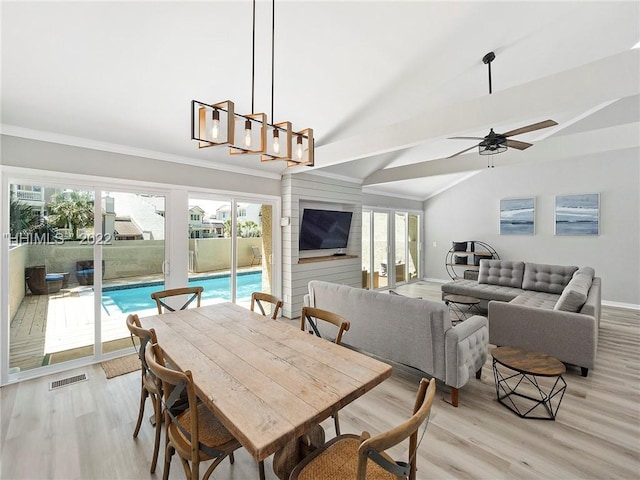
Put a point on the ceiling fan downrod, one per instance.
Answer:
(487, 59)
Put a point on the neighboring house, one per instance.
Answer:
(201, 226)
(246, 212)
(145, 211)
(126, 229)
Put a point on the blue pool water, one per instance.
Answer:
(135, 298)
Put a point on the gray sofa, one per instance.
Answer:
(408, 331)
(552, 309)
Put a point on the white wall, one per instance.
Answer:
(470, 211)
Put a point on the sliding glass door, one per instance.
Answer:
(390, 248)
(77, 259)
(52, 305)
(77, 268)
(230, 248)
(131, 243)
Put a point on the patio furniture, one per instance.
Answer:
(41, 283)
(257, 256)
(84, 271)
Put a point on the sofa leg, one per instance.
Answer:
(454, 397)
(585, 371)
(479, 373)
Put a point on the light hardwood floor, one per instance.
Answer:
(84, 430)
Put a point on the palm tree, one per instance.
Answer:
(22, 218)
(250, 229)
(71, 209)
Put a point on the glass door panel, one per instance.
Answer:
(52, 317)
(210, 241)
(400, 272)
(380, 249)
(413, 247)
(366, 249)
(254, 251)
(132, 239)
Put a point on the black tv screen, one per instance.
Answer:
(322, 229)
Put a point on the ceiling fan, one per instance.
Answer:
(499, 142)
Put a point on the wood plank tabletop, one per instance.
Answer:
(267, 381)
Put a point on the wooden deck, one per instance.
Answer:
(59, 327)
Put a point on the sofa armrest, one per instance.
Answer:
(466, 350)
(570, 337)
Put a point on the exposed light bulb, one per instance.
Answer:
(215, 125)
(299, 147)
(276, 141)
(247, 133)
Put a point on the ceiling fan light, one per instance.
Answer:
(491, 149)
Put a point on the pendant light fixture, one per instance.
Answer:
(218, 124)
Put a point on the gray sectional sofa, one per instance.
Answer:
(408, 331)
(552, 309)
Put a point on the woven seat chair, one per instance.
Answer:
(148, 387)
(309, 316)
(195, 293)
(195, 434)
(258, 297)
(348, 457)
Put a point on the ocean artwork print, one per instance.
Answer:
(517, 216)
(578, 214)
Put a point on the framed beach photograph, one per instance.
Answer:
(518, 216)
(578, 214)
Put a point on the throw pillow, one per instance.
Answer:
(459, 246)
(574, 294)
(588, 271)
(459, 259)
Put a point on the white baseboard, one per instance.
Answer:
(626, 306)
(436, 280)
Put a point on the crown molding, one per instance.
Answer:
(52, 137)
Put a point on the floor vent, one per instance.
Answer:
(68, 381)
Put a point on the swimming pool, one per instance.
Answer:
(132, 299)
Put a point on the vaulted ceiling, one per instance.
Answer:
(383, 84)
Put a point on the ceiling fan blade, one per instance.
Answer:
(465, 138)
(530, 128)
(462, 151)
(518, 145)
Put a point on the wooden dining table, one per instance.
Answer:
(267, 381)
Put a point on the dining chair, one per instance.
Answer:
(310, 313)
(148, 387)
(364, 457)
(195, 293)
(193, 431)
(258, 297)
(309, 316)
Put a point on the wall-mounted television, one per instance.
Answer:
(322, 229)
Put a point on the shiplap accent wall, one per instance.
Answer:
(314, 191)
